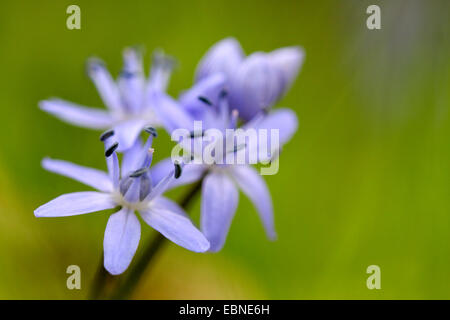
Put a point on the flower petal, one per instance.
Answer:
(190, 174)
(175, 227)
(164, 183)
(91, 177)
(289, 60)
(77, 115)
(163, 203)
(131, 158)
(219, 203)
(127, 132)
(223, 57)
(283, 119)
(105, 84)
(131, 87)
(132, 60)
(121, 240)
(254, 186)
(169, 112)
(112, 163)
(266, 145)
(132, 90)
(72, 204)
(210, 88)
(160, 71)
(255, 86)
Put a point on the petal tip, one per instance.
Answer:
(215, 247)
(113, 270)
(45, 162)
(272, 235)
(204, 246)
(37, 213)
(44, 105)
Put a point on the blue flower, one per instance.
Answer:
(229, 85)
(252, 85)
(131, 188)
(222, 181)
(132, 101)
(255, 82)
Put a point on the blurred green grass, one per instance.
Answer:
(366, 180)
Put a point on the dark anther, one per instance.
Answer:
(127, 74)
(163, 60)
(111, 149)
(95, 64)
(169, 62)
(138, 172)
(152, 131)
(266, 110)
(197, 134)
(106, 135)
(223, 93)
(205, 100)
(239, 147)
(177, 170)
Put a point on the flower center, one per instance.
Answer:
(136, 186)
(135, 206)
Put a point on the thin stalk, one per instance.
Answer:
(135, 274)
(101, 281)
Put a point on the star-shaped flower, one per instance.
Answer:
(131, 188)
(222, 179)
(252, 86)
(256, 82)
(132, 102)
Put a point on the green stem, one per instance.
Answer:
(135, 274)
(101, 282)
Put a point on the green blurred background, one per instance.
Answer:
(366, 179)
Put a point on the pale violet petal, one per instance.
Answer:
(77, 115)
(289, 60)
(169, 112)
(113, 169)
(132, 81)
(223, 57)
(163, 203)
(131, 158)
(132, 60)
(254, 186)
(164, 184)
(160, 71)
(255, 86)
(210, 88)
(273, 130)
(89, 176)
(175, 227)
(191, 173)
(131, 87)
(105, 84)
(72, 204)
(219, 203)
(127, 132)
(122, 235)
(160, 170)
(283, 119)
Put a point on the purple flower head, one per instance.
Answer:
(252, 85)
(130, 187)
(222, 180)
(255, 82)
(133, 101)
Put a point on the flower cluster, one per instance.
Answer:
(231, 91)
